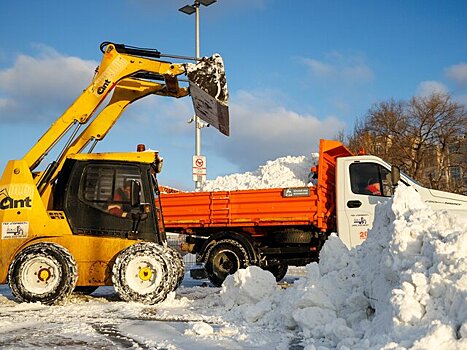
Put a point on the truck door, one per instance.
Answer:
(364, 185)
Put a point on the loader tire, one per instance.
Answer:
(224, 258)
(44, 272)
(177, 264)
(142, 273)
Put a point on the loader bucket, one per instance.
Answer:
(209, 93)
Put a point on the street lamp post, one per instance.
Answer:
(189, 10)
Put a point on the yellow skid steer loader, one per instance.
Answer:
(94, 219)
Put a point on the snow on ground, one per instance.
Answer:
(405, 287)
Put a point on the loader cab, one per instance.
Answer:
(109, 198)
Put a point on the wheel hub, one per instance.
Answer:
(44, 274)
(226, 264)
(145, 274)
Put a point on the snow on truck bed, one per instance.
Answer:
(286, 171)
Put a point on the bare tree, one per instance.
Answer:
(340, 136)
(426, 136)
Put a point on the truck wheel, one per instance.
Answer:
(177, 263)
(141, 273)
(44, 272)
(224, 258)
(279, 270)
(293, 236)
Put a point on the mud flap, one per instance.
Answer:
(209, 93)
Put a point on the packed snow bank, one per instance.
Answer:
(283, 172)
(404, 287)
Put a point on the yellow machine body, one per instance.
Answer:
(25, 221)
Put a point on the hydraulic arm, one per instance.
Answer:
(114, 67)
(131, 73)
(126, 92)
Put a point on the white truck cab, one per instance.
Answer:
(364, 181)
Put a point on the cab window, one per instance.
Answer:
(101, 184)
(370, 179)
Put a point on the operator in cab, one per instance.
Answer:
(373, 187)
(120, 204)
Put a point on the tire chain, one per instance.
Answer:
(171, 266)
(178, 266)
(67, 263)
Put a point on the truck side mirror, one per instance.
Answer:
(395, 175)
(135, 194)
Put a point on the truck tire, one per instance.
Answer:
(142, 273)
(279, 270)
(223, 258)
(44, 272)
(293, 236)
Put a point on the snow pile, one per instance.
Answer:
(283, 172)
(200, 328)
(404, 287)
(247, 286)
(250, 291)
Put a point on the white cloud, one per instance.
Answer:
(430, 87)
(169, 115)
(262, 129)
(39, 87)
(337, 67)
(320, 68)
(457, 73)
(4, 102)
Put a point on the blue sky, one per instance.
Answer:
(297, 70)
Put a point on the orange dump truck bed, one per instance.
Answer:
(264, 207)
(291, 207)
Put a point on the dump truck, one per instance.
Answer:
(61, 230)
(277, 227)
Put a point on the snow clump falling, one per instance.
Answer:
(404, 287)
(289, 171)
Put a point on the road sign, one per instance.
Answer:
(199, 168)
